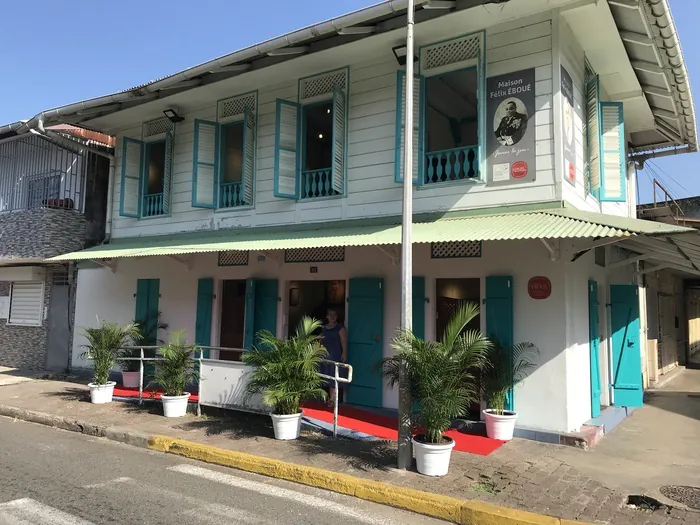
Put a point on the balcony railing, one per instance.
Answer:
(317, 183)
(451, 165)
(231, 195)
(153, 205)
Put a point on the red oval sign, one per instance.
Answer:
(539, 287)
(519, 169)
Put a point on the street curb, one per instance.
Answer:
(462, 512)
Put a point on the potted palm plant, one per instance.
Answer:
(506, 367)
(174, 372)
(102, 348)
(442, 382)
(285, 372)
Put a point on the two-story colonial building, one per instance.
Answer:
(272, 188)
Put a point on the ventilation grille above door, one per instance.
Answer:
(233, 258)
(304, 255)
(156, 127)
(461, 49)
(234, 106)
(454, 250)
(324, 84)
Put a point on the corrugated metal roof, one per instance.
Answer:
(550, 224)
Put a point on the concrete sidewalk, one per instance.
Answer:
(522, 474)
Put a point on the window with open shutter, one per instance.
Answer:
(593, 162)
(612, 132)
(26, 303)
(168, 171)
(339, 133)
(248, 155)
(286, 149)
(206, 156)
(417, 134)
(132, 167)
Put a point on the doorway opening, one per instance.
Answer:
(313, 298)
(232, 330)
(450, 294)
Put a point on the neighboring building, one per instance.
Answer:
(53, 194)
(673, 295)
(273, 189)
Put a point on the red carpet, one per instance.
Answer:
(120, 391)
(385, 427)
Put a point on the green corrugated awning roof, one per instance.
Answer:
(557, 223)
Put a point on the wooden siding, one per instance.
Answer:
(372, 191)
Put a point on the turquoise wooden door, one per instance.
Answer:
(262, 298)
(627, 360)
(419, 307)
(205, 298)
(594, 345)
(365, 341)
(499, 316)
(147, 304)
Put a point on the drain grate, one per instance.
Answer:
(689, 496)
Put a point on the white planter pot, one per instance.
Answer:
(500, 426)
(432, 459)
(130, 379)
(175, 406)
(100, 394)
(286, 426)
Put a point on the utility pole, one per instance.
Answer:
(405, 452)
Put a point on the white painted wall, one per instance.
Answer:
(521, 43)
(541, 322)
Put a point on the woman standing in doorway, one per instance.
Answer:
(335, 339)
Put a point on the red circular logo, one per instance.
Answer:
(572, 172)
(518, 170)
(539, 287)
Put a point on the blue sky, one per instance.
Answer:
(61, 52)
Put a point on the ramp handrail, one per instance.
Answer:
(336, 377)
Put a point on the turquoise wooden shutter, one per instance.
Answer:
(365, 340)
(249, 317)
(593, 126)
(248, 155)
(205, 298)
(132, 168)
(168, 171)
(147, 303)
(418, 117)
(260, 309)
(339, 127)
(206, 164)
(627, 360)
(419, 307)
(613, 153)
(499, 316)
(287, 149)
(594, 345)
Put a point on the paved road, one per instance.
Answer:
(48, 476)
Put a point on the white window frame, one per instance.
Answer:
(41, 304)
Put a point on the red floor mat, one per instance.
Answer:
(385, 427)
(120, 391)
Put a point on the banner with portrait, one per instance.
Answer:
(510, 127)
(567, 91)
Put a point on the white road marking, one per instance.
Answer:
(200, 510)
(107, 483)
(27, 511)
(282, 493)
